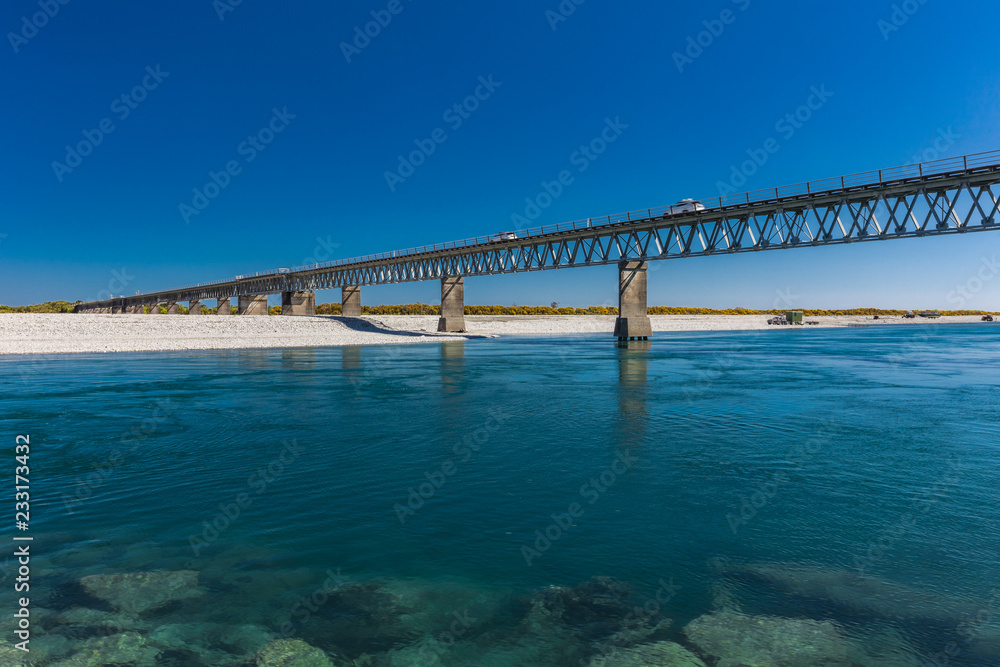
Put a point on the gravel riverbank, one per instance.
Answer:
(63, 333)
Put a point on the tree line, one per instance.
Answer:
(555, 309)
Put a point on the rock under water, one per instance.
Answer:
(739, 640)
(658, 654)
(138, 592)
(864, 593)
(292, 653)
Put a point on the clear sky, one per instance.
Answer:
(309, 115)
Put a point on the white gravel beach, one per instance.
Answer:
(67, 333)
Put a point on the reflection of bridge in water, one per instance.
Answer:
(951, 196)
(633, 411)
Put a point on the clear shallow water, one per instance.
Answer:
(848, 475)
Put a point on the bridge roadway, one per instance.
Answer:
(950, 196)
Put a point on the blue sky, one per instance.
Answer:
(201, 77)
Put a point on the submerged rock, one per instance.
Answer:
(427, 652)
(866, 593)
(292, 653)
(47, 648)
(375, 617)
(137, 592)
(659, 654)
(361, 618)
(242, 638)
(984, 642)
(738, 640)
(128, 648)
(13, 657)
(93, 621)
(597, 604)
(601, 607)
(521, 650)
(213, 643)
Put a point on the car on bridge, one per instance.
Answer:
(685, 206)
(503, 236)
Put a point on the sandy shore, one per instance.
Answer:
(47, 334)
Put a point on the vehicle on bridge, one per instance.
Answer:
(686, 206)
(503, 236)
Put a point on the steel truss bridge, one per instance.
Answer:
(951, 196)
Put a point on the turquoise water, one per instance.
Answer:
(846, 475)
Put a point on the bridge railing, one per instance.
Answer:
(859, 181)
(862, 180)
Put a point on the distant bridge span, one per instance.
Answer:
(950, 196)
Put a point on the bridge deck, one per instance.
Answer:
(954, 195)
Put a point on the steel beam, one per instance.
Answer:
(900, 203)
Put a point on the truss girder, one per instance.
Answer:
(941, 206)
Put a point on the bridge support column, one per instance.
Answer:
(223, 307)
(253, 304)
(117, 310)
(350, 301)
(633, 318)
(298, 303)
(194, 307)
(452, 304)
(171, 308)
(154, 309)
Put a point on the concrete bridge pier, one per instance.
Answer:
(172, 308)
(117, 310)
(633, 318)
(350, 301)
(252, 304)
(298, 303)
(154, 309)
(452, 304)
(194, 307)
(223, 307)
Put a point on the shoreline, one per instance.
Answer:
(43, 333)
